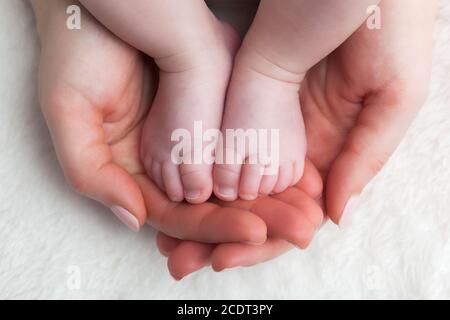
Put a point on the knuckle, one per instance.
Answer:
(76, 181)
(375, 165)
(408, 93)
(373, 162)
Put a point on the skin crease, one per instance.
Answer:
(402, 93)
(357, 104)
(95, 114)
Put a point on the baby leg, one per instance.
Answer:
(285, 40)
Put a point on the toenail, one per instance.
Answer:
(226, 191)
(192, 195)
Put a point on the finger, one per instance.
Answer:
(189, 257)
(285, 221)
(206, 222)
(237, 254)
(379, 129)
(291, 215)
(304, 204)
(166, 245)
(282, 219)
(311, 182)
(77, 131)
(232, 255)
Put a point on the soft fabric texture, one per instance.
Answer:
(397, 246)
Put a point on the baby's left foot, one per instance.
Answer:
(260, 100)
(286, 39)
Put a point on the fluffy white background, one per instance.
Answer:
(397, 247)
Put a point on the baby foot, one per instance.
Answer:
(260, 97)
(192, 88)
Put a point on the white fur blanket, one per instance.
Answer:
(397, 247)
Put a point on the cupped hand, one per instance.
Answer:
(95, 92)
(357, 104)
(292, 218)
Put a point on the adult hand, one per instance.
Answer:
(357, 104)
(277, 211)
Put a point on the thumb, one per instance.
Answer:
(378, 130)
(87, 161)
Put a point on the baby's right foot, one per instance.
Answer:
(192, 88)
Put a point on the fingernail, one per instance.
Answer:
(126, 218)
(349, 211)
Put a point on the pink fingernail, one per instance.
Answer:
(349, 211)
(126, 217)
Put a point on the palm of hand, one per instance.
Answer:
(110, 88)
(95, 92)
(363, 89)
(336, 90)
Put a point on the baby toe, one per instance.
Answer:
(251, 176)
(226, 181)
(156, 175)
(284, 178)
(268, 182)
(197, 182)
(172, 181)
(297, 168)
